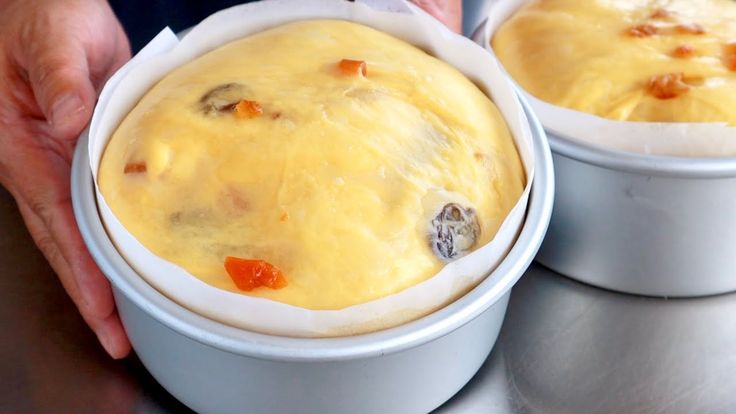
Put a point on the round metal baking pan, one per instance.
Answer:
(642, 224)
(213, 367)
(638, 223)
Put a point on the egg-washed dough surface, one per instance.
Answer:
(582, 55)
(335, 183)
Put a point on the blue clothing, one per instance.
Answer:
(142, 20)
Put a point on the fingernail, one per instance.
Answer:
(65, 107)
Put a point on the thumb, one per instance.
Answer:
(58, 72)
(449, 12)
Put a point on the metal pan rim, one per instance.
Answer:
(647, 164)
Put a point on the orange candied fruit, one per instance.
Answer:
(135, 168)
(248, 109)
(660, 14)
(667, 86)
(353, 67)
(729, 56)
(694, 80)
(249, 274)
(684, 52)
(690, 28)
(642, 30)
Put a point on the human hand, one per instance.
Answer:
(55, 56)
(449, 12)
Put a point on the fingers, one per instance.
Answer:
(120, 56)
(54, 229)
(112, 336)
(43, 198)
(61, 51)
(89, 290)
(449, 12)
(59, 76)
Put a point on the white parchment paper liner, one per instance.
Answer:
(166, 52)
(674, 139)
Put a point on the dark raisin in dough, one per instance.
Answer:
(455, 231)
(222, 98)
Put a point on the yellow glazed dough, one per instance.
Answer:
(335, 183)
(581, 55)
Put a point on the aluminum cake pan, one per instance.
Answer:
(414, 367)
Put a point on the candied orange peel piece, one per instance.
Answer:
(353, 67)
(690, 28)
(684, 51)
(729, 56)
(249, 274)
(660, 14)
(667, 86)
(246, 109)
(135, 168)
(694, 80)
(642, 30)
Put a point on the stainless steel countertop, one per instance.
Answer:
(565, 348)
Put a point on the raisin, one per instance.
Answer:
(455, 231)
(222, 98)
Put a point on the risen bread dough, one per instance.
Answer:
(614, 58)
(335, 179)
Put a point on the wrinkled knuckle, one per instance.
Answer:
(44, 71)
(47, 245)
(42, 209)
(54, 78)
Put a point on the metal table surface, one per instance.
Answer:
(564, 348)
